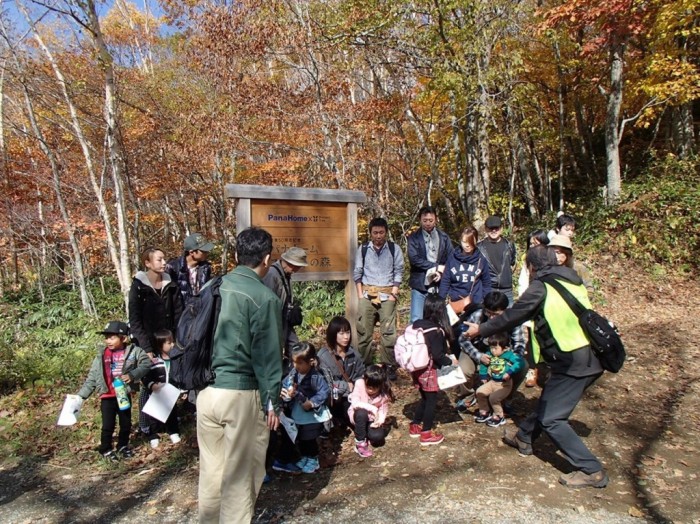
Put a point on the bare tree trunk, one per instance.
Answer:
(78, 270)
(5, 169)
(124, 278)
(114, 145)
(612, 141)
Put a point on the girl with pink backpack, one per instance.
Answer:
(437, 333)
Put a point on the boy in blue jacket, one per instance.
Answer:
(496, 378)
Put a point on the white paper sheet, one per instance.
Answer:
(454, 378)
(161, 402)
(289, 426)
(71, 410)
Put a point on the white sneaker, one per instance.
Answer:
(175, 438)
(155, 442)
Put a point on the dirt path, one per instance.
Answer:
(643, 423)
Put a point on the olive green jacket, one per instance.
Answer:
(136, 365)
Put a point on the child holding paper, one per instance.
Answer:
(116, 360)
(156, 379)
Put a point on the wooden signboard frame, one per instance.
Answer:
(322, 221)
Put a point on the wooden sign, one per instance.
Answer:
(320, 228)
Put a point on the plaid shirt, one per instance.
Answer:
(478, 347)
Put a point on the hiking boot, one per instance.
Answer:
(531, 378)
(429, 438)
(363, 449)
(414, 430)
(481, 418)
(126, 452)
(311, 465)
(175, 438)
(495, 421)
(579, 479)
(510, 437)
(155, 442)
(290, 468)
(110, 456)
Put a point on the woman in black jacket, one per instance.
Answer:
(154, 303)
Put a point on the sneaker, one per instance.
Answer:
(579, 479)
(481, 418)
(391, 373)
(495, 421)
(312, 465)
(531, 378)
(110, 456)
(414, 430)
(464, 404)
(363, 449)
(126, 452)
(267, 479)
(154, 442)
(301, 463)
(286, 468)
(510, 437)
(429, 438)
(175, 438)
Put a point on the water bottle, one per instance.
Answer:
(286, 387)
(122, 396)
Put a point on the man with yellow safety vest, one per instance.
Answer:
(560, 342)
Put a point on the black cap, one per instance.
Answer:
(115, 327)
(493, 222)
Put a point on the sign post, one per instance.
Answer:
(321, 221)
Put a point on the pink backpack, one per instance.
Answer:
(411, 351)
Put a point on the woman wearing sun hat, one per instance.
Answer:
(563, 249)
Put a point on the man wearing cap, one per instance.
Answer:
(428, 249)
(279, 280)
(500, 254)
(192, 270)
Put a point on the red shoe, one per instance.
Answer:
(428, 438)
(414, 430)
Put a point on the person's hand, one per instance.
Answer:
(273, 421)
(308, 406)
(351, 386)
(454, 360)
(126, 379)
(441, 269)
(485, 360)
(506, 377)
(472, 330)
(157, 386)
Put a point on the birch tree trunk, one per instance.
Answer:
(124, 278)
(612, 117)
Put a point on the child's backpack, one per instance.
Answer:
(601, 333)
(411, 350)
(190, 359)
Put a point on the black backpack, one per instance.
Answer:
(603, 335)
(190, 359)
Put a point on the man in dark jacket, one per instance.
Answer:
(428, 248)
(501, 256)
(562, 344)
(192, 270)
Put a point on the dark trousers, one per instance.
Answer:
(560, 396)
(110, 412)
(287, 452)
(363, 431)
(425, 412)
(339, 410)
(171, 424)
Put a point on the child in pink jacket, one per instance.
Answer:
(369, 405)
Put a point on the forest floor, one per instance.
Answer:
(643, 423)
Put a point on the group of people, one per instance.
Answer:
(461, 298)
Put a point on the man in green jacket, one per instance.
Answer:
(237, 412)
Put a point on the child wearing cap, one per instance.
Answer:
(116, 360)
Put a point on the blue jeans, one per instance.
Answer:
(417, 303)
